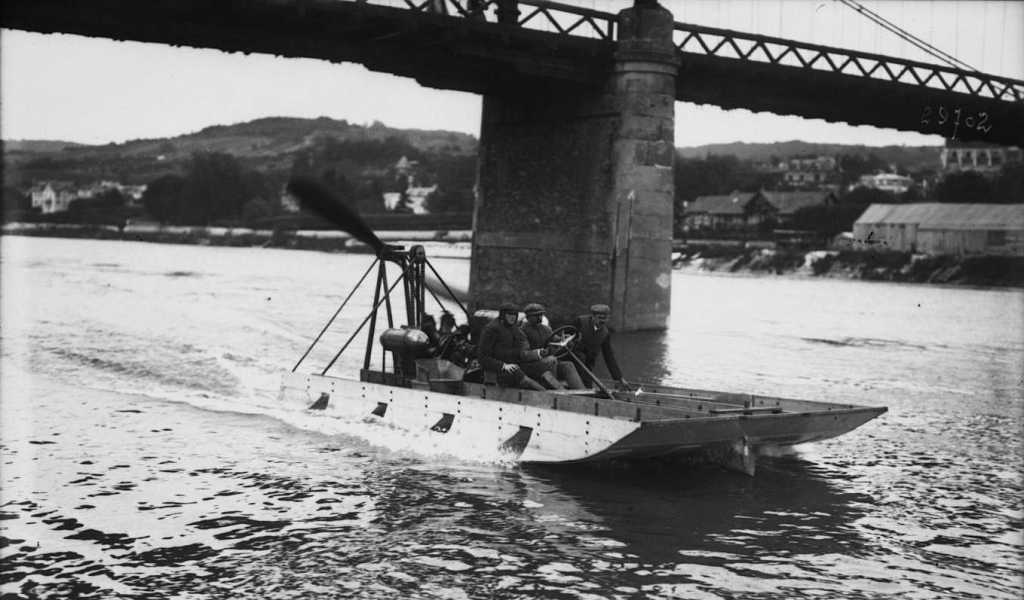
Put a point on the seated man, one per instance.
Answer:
(595, 338)
(503, 350)
(538, 334)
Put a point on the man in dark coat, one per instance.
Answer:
(596, 339)
(503, 350)
(538, 334)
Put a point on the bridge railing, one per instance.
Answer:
(724, 43)
(555, 17)
(540, 15)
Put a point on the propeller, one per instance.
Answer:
(318, 196)
(315, 194)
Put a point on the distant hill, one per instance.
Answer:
(37, 146)
(271, 135)
(268, 145)
(274, 136)
(908, 156)
(271, 144)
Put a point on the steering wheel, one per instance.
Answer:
(563, 340)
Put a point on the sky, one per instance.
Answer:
(97, 91)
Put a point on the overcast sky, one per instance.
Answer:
(61, 87)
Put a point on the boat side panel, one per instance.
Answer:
(657, 438)
(687, 396)
(555, 435)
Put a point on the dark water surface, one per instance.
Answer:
(143, 455)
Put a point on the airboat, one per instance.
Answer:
(426, 382)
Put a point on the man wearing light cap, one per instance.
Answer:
(596, 339)
(503, 347)
(537, 335)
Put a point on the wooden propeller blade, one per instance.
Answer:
(316, 195)
(458, 294)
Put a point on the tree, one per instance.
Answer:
(14, 202)
(216, 188)
(163, 197)
(256, 210)
(828, 221)
(1008, 186)
(107, 205)
(865, 196)
(855, 165)
(968, 187)
(449, 201)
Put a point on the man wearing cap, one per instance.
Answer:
(503, 347)
(596, 339)
(538, 334)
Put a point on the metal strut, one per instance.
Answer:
(413, 263)
(336, 313)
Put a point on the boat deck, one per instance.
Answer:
(649, 403)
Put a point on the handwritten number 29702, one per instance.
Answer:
(942, 117)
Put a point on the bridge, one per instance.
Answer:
(577, 139)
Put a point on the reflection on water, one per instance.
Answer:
(143, 455)
(662, 507)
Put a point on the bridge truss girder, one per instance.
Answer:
(456, 53)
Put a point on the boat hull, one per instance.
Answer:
(572, 427)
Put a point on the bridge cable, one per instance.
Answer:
(921, 44)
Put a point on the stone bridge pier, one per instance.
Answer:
(575, 187)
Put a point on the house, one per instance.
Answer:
(289, 202)
(415, 200)
(822, 172)
(888, 182)
(53, 196)
(738, 210)
(131, 193)
(959, 156)
(405, 167)
(937, 228)
(418, 198)
(787, 203)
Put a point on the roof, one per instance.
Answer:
(790, 202)
(934, 215)
(730, 204)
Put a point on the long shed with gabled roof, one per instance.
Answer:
(939, 228)
(730, 211)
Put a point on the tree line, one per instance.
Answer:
(216, 188)
(719, 175)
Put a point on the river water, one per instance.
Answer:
(144, 456)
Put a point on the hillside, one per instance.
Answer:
(271, 145)
(268, 145)
(911, 157)
(37, 145)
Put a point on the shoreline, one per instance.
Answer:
(443, 244)
(987, 271)
(991, 271)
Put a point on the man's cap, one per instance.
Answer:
(508, 307)
(600, 309)
(534, 309)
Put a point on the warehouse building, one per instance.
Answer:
(936, 228)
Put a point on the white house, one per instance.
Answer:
(416, 199)
(977, 156)
(889, 182)
(52, 196)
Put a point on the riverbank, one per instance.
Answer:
(986, 271)
(447, 244)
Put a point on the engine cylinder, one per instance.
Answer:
(405, 341)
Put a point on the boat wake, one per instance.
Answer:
(394, 440)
